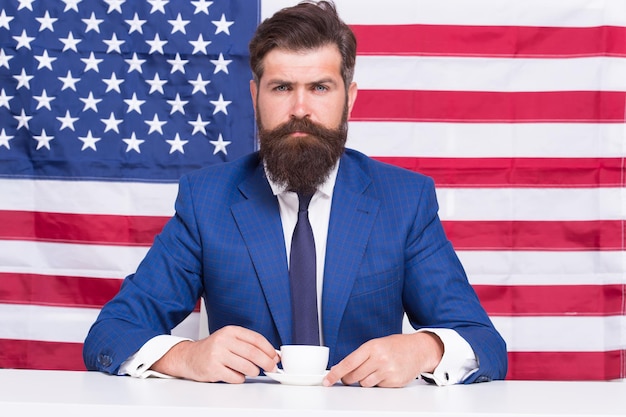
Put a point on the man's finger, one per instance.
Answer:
(347, 365)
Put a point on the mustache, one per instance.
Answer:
(303, 125)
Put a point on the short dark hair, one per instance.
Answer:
(308, 25)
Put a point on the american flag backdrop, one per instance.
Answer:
(517, 109)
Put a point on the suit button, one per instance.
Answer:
(104, 360)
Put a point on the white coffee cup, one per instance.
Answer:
(304, 359)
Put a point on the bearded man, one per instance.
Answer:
(375, 248)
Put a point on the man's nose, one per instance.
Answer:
(300, 106)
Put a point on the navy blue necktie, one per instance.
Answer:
(302, 278)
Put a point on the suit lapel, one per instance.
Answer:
(258, 219)
(351, 220)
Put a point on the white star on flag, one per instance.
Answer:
(156, 45)
(136, 24)
(46, 22)
(111, 123)
(23, 80)
(4, 99)
(178, 25)
(43, 100)
(199, 125)
(23, 41)
(156, 84)
(177, 104)
(22, 120)
(45, 61)
(222, 25)
(202, 6)
(220, 105)
(70, 42)
(199, 45)
(26, 4)
(4, 139)
(199, 84)
(67, 121)
(5, 20)
(92, 62)
(91, 103)
(221, 64)
(178, 64)
(89, 141)
(134, 104)
(133, 143)
(113, 83)
(158, 5)
(93, 23)
(114, 44)
(155, 124)
(177, 144)
(69, 81)
(71, 5)
(220, 145)
(43, 140)
(135, 63)
(114, 5)
(4, 59)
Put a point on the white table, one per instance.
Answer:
(31, 393)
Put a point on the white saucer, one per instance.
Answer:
(294, 379)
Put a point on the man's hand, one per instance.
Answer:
(391, 361)
(229, 355)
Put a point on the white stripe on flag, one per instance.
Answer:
(566, 334)
(483, 267)
(521, 203)
(97, 261)
(543, 267)
(455, 203)
(562, 334)
(61, 324)
(113, 198)
(562, 13)
(488, 140)
(490, 74)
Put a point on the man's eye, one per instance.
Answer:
(321, 88)
(281, 88)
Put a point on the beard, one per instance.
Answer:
(301, 163)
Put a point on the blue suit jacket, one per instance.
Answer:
(387, 254)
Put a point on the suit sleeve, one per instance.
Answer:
(162, 292)
(437, 293)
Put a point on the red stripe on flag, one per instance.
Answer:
(465, 235)
(57, 290)
(552, 300)
(485, 106)
(28, 354)
(35, 354)
(516, 172)
(498, 300)
(566, 366)
(496, 41)
(80, 228)
(536, 235)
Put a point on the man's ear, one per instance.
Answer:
(253, 92)
(352, 93)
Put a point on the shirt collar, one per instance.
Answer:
(325, 188)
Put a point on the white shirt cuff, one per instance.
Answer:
(458, 361)
(138, 365)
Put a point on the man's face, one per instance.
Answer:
(302, 109)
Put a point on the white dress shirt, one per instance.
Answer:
(458, 361)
